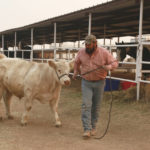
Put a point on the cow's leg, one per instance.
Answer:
(7, 99)
(54, 105)
(28, 106)
(1, 118)
(1, 94)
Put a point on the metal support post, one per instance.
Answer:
(3, 42)
(79, 39)
(55, 40)
(31, 55)
(90, 20)
(139, 51)
(15, 44)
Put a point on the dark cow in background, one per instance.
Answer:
(23, 52)
(132, 51)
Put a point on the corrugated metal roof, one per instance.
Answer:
(54, 19)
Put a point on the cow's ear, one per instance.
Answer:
(52, 64)
(71, 64)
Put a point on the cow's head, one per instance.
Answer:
(62, 69)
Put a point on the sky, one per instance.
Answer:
(18, 13)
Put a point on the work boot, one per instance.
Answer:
(93, 132)
(87, 134)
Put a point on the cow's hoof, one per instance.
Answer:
(58, 124)
(10, 117)
(23, 124)
(1, 118)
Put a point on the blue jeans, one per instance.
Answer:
(92, 93)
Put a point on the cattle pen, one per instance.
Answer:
(116, 18)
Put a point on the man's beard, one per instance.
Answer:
(90, 50)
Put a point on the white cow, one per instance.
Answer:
(30, 81)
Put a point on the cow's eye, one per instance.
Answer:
(59, 71)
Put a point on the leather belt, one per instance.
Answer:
(93, 80)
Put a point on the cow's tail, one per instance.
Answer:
(2, 56)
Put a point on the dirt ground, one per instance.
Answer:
(129, 127)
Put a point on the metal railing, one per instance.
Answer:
(67, 55)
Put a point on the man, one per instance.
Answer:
(89, 58)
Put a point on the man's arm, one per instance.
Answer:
(112, 63)
(77, 66)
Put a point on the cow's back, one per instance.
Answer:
(13, 74)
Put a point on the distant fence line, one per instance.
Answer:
(41, 55)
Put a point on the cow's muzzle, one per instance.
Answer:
(59, 77)
(67, 82)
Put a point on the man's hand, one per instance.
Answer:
(74, 76)
(107, 67)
